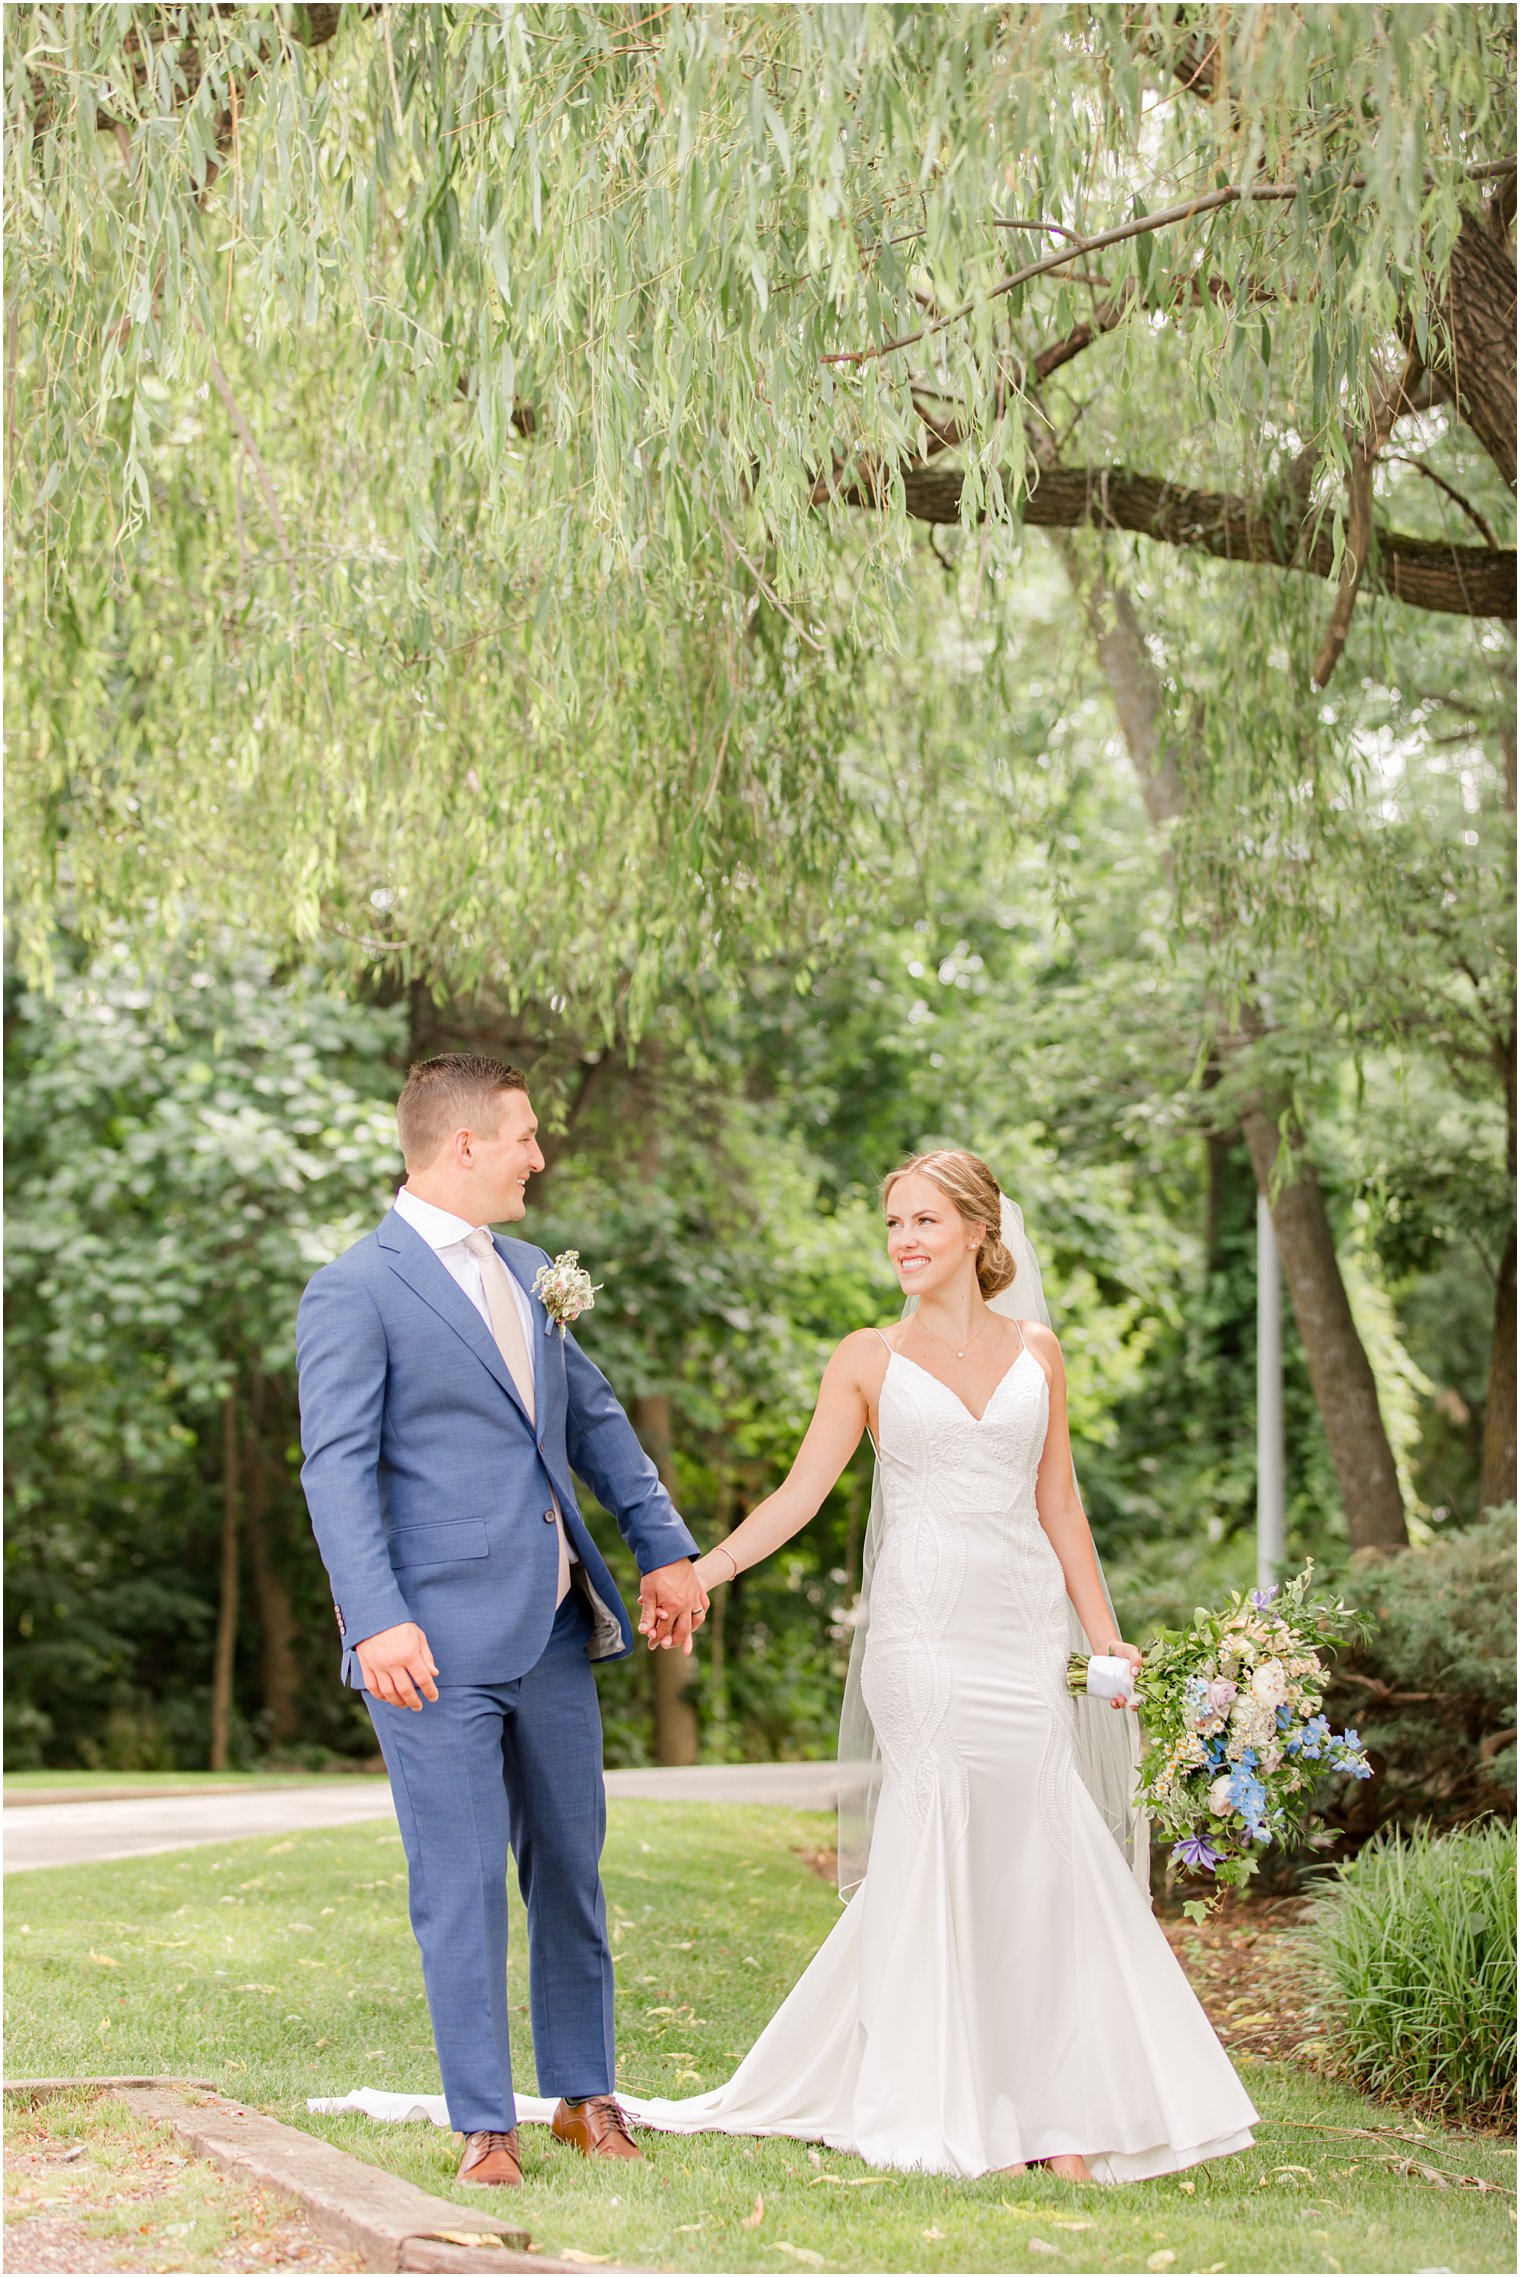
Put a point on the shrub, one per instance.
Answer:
(1414, 1946)
(1432, 1688)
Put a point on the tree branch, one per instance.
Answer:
(1233, 194)
(1251, 193)
(1459, 581)
(1479, 521)
(1388, 403)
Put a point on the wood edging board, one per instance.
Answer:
(388, 2223)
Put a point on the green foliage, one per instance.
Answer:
(1432, 1688)
(438, 436)
(1415, 1944)
(172, 1184)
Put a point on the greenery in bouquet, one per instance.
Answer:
(1236, 1738)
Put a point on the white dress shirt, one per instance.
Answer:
(446, 1234)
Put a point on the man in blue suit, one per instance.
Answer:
(444, 1417)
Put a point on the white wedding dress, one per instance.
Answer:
(997, 1989)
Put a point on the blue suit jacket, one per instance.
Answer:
(428, 1487)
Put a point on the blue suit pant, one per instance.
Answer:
(483, 1769)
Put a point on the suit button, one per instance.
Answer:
(548, 1517)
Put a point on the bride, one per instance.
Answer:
(997, 1992)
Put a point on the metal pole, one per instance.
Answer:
(1271, 1544)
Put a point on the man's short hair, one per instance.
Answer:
(456, 1091)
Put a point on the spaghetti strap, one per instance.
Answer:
(881, 1332)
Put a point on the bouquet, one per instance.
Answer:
(1235, 1737)
(565, 1289)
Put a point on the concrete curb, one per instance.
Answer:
(388, 2223)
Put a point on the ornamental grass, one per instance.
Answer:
(1414, 1942)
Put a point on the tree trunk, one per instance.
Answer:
(279, 1658)
(1476, 359)
(675, 1716)
(1497, 1483)
(227, 1603)
(1339, 1370)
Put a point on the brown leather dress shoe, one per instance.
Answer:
(491, 2157)
(598, 2127)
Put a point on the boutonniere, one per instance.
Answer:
(565, 1289)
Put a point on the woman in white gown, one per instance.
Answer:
(997, 1991)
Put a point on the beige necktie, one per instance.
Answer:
(507, 1328)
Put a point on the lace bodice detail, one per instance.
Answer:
(925, 1426)
(963, 1567)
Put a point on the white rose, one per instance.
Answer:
(1219, 1798)
(1270, 1684)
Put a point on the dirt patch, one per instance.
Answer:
(1249, 1965)
(91, 2188)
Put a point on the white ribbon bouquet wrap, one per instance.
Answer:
(1107, 1744)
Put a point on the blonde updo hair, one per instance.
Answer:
(965, 1180)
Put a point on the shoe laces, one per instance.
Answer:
(615, 2116)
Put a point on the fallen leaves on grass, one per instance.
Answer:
(801, 2253)
(753, 2221)
(1442, 2178)
(1161, 2260)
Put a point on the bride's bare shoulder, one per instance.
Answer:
(1042, 1342)
(861, 1356)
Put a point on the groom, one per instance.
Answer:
(442, 1416)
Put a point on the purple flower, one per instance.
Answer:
(1193, 1850)
(1262, 1598)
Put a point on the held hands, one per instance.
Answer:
(397, 1665)
(672, 1603)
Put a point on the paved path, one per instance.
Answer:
(77, 1834)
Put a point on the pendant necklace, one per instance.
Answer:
(964, 1348)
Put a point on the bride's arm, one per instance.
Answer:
(1060, 1507)
(832, 1437)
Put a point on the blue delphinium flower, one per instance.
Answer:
(1194, 1850)
(1284, 1718)
(1313, 1739)
(1213, 1753)
(1249, 1797)
(1345, 1751)
(1195, 1694)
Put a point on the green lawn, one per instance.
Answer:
(286, 1968)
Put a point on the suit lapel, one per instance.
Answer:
(429, 1278)
(548, 1378)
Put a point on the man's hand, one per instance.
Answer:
(672, 1603)
(397, 1665)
